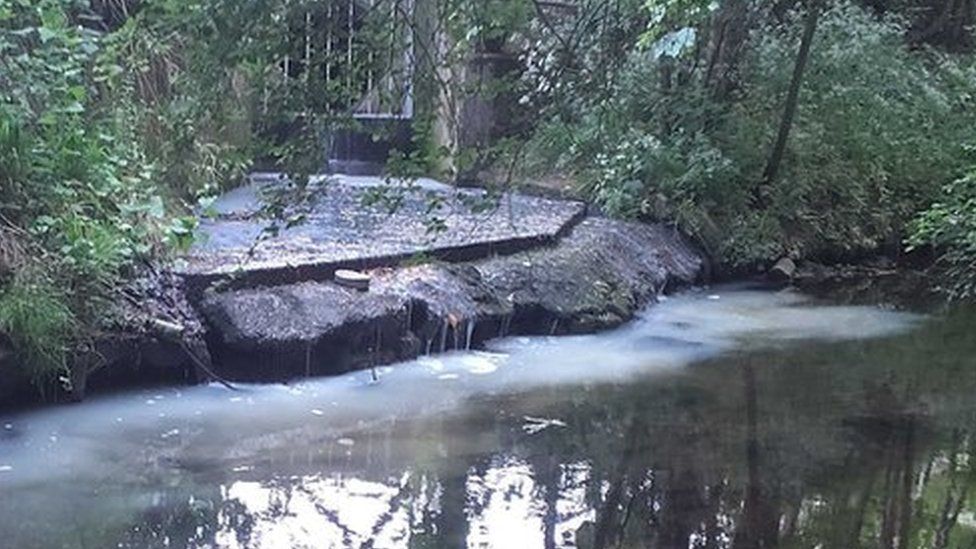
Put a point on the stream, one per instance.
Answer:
(720, 418)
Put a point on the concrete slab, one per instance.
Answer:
(596, 277)
(363, 222)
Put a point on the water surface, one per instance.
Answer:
(730, 419)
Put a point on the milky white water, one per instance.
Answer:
(340, 461)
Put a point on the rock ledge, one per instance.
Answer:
(595, 278)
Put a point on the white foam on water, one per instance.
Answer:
(105, 437)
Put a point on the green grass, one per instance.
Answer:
(35, 315)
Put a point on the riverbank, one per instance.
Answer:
(252, 304)
(265, 304)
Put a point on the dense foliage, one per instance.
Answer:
(115, 119)
(119, 118)
(950, 225)
(879, 129)
(77, 199)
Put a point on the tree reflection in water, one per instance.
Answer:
(840, 445)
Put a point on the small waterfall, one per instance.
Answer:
(555, 327)
(505, 325)
(374, 375)
(444, 328)
(457, 338)
(470, 333)
(430, 343)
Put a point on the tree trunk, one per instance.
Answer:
(907, 481)
(730, 30)
(792, 98)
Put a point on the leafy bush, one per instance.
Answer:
(878, 130)
(116, 118)
(949, 225)
(877, 133)
(75, 184)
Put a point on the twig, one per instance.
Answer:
(200, 364)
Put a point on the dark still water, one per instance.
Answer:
(735, 420)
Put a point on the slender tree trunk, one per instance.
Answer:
(549, 475)
(792, 98)
(607, 533)
(887, 537)
(861, 509)
(955, 496)
(713, 531)
(730, 31)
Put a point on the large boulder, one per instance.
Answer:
(322, 328)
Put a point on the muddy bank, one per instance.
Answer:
(146, 337)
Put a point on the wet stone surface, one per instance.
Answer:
(352, 223)
(305, 329)
(515, 264)
(595, 278)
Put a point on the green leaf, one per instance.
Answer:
(46, 34)
(78, 93)
(156, 208)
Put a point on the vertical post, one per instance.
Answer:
(328, 44)
(308, 45)
(350, 31)
(370, 107)
(408, 65)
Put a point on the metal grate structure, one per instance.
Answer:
(360, 52)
